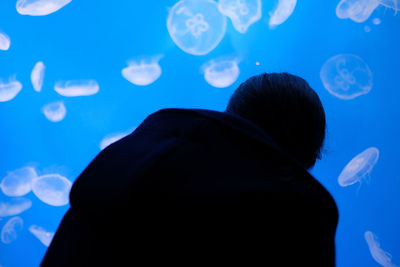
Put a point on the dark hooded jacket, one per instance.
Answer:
(193, 187)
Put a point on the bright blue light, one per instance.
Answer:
(78, 75)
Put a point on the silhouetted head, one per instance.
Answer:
(288, 109)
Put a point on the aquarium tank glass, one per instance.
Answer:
(76, 76)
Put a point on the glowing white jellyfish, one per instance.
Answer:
(44, 236)
(11, 229)
(52, 189)
(77, 88)
(10, 89)
(242, 13)
(220, 72)
(14, 206)
(359, 167)
(196, 26)
(37, 76)
(143, 72)
(40, 7)
(283, 11)
(380, 256)
(112, 138)
(346, 76)
(4, 41)
(376, 21)
(356, 10)
(54, 111)
(18, 182)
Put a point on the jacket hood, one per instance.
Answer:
(235, 122)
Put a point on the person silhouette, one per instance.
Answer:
(192, 187)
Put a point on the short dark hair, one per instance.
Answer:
(288, 109)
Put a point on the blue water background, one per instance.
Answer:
(94, 39)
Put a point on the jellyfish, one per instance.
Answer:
(40, 7)
(380, 256)
(44, 236)
(18, 182)
(11, 229)
(14, 206)
(10, 89)
(77, 88)
(37, 76)
(282, 12)
(143, 72)
(52, 189)
(242, 13)
(376, 21)
(221, 72)
(356, 10)
(196, 26)
(346, 76)
(4, 41)
(55, 111)
(112, 138)
(359, 167)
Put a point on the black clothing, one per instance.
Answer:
(192, 187)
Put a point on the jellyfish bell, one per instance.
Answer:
(242, 13)
(14, 206)
(346, 76)
(11, 230)
(55, 111)
(382, 257)
(18, 182)
(356, 10)
(282, 12)
(40, 233)
(143, 71)
(40, 7)
(4, 41)
(10, 89)
(52, 189)
(112, 138)
(196, 26)
(376, 21)
(221, 72)
(37, 76)
(74, 88)
(359, 167)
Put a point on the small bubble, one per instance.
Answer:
(376, 21)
